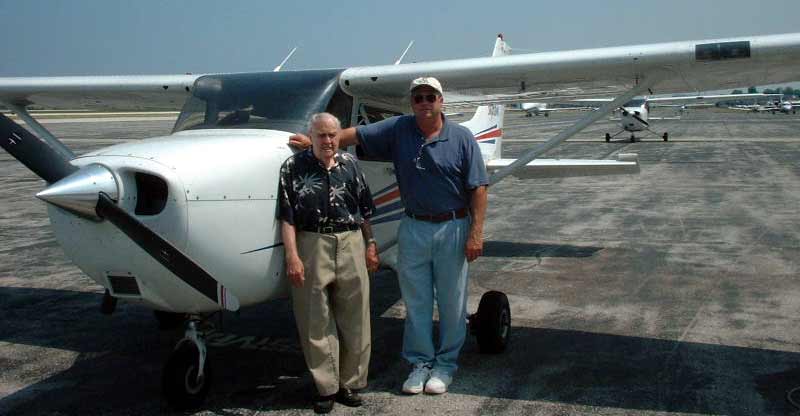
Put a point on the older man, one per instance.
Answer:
(324, 202)
(442, 181)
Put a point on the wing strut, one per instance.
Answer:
(45, 134)
(570, 131)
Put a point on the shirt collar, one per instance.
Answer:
(337, 158)
(443, 136)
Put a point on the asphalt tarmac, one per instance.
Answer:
(674, 291)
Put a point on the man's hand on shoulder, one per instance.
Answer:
(299, 141)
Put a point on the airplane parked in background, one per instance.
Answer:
(635, 114)
(181, 223)
(778, 106)
(535, 109)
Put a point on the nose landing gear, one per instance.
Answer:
(187, 374)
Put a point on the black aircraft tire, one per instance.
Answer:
(608, 137)
(179, 381)
(494, 323)
(666, 136)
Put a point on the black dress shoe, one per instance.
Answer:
(349, 397)
(323, 404)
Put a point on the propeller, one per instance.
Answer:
(634, 115)
(90, 192)
(165, 253)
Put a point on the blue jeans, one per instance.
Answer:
(432, 265)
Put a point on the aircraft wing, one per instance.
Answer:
(707, 98)
(562, 168)
(129, 92)
(678, 67)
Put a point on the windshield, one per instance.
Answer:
(271, 100)
(634, 103)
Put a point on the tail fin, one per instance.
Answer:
(487, 123)
(487, 127)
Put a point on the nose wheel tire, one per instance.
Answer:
(665, 136)
(492, 323)
(182, 388)
(608, 137)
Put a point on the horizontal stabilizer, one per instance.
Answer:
(565, 168)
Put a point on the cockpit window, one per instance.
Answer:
(271, 100)
(634, 103)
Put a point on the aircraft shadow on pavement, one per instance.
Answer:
(119, 359)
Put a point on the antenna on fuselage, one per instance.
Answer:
(400, 59)
(278, 68)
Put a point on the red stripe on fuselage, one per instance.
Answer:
(391, 195)
(489, 135)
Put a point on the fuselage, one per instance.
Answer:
(213, 195)
(634, 115)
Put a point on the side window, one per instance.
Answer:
(340, 106)
(368, 115)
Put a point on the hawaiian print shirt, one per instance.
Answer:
(309, 195)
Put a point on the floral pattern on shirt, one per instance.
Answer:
(309, 195)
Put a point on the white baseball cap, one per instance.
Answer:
(429, 81)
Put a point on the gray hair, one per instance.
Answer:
(319, 117)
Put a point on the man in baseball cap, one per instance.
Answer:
(429, 81)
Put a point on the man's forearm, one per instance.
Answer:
(366, 231)
(348, 137)
(289, 236)
(477, 207)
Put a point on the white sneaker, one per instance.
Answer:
(438, 383)
(416, 380)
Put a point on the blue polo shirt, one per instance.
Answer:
(434, 176)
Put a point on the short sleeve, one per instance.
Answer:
(376, 139)
(365, 203)
(473, 165)
(286, 195)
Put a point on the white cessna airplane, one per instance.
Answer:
(183, 223)
(635, 114)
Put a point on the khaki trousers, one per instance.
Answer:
(332, 309)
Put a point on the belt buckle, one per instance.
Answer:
(326, 230)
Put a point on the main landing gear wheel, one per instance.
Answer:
(633, 139)
(665, 136)
(492, 323)
(608, 137)
(182, 388)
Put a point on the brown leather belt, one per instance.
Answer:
(444, 216)
(331, 228)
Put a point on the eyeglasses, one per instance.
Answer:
(418, 159)
(431, 98)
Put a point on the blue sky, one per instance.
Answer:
(83, 37)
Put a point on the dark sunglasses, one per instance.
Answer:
(431, 98)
